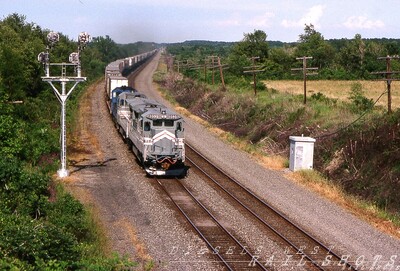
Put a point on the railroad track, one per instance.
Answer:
(314, 253)
(217, 237)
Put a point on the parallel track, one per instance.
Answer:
(217, 237)
(311, 250)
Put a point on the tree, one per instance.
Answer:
(108, 49)
(352, 55)
(283, 60)
(312, 43)
(253, 45)
(20, 43)
(12, 136)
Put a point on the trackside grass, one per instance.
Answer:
(364, 209)
(337, 89)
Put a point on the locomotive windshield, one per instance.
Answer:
(163, 122)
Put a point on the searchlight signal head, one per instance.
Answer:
(74, 58)
(43, 57)
(53, 38)
(83, 39)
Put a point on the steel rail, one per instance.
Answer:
(252, 259)
(328, 251)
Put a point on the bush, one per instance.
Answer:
(22, 191)
(360, 103)
(10, 263)
(30, 239)
(68, 214)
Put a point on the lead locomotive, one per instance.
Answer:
(154, 132)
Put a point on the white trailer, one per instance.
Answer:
(114, 81)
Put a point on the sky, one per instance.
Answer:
(168, 21)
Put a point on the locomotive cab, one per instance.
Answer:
(164, 133)
(115, 94)
(155, 133)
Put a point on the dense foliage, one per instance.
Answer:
(41, 226)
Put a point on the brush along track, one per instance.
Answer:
(312, 252)
(210, 229)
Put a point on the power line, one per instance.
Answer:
(354, 121)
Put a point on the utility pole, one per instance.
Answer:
(221, 72)
(63, 79)
(305, 74)
(388, 78)
(213, 66)
(220, 67)
(178, 62)
(205, 70)
(169, 61)
(254, 70)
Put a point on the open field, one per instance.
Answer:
(339, 89)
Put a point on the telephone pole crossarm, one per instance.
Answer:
(388, 77)
(305, 70)
(254, 69)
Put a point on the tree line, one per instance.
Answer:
(337, 59)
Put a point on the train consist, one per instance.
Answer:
(154, 132)
(117, 71)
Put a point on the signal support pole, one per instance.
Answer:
(305, 69)
(63, 95)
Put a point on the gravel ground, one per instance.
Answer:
(141, 222)
(349, 236)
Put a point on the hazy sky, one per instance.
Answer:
(159, 21)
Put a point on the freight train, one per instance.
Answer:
(154, 132)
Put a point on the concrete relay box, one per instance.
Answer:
(301, 152)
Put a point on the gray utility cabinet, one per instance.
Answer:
(301, 152)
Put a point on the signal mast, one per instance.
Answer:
(63, 79)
